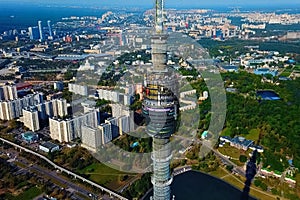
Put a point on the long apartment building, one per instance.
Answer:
(53, 108)
(68, 129)
(115, 96)
(34, 115)
(8, 92)
(78, 89)
(11, 109)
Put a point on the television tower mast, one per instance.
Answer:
(160, 108)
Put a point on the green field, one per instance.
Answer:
(104, 175)
(252, 135)
(230, 151)
(226, 132)
(219, 172)
(286, 73)
(297, 67)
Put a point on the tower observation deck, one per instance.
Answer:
(160, 108)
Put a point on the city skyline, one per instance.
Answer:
(121, 100)
(175, 3)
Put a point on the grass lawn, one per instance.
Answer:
(240, 184)
(219, 172)
(27, 195)
(286, 73)
(104, 175)
(234, 181)
(252, 135)
(297, 67)
(230, 151)
(226, 132)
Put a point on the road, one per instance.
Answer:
(62, 169)
(50, 174)
(236, 168)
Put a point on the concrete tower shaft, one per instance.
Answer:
(160, 108)
(159, 52)
(161, 178)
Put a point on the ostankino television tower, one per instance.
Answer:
(160, 107)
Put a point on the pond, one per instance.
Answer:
(193, 185)
(267, 95)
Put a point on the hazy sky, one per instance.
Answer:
(170, 3)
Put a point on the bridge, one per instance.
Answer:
(62, 169)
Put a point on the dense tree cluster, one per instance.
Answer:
(230, 47)
(75, 158)
(125, 142)
(278, 121)
(128, 58)
(139, 187)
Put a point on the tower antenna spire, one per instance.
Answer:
(159, 16)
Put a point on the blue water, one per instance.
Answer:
(194, 185)
(22, 16)
(134, 144)
(268, 95)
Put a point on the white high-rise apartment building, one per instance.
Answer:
(69, 129)
(8, 92)
(31, 118)
(60, 108)
(78, 89)
(106, 133)
(91, 138)
(114, 126)
(13, 108)
(124, 124)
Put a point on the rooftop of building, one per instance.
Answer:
(29, 136)
(49, 145)
(241, 141)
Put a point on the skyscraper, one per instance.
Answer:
(34, 33)
(160, 108)
(40, 30)
(49, 28)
